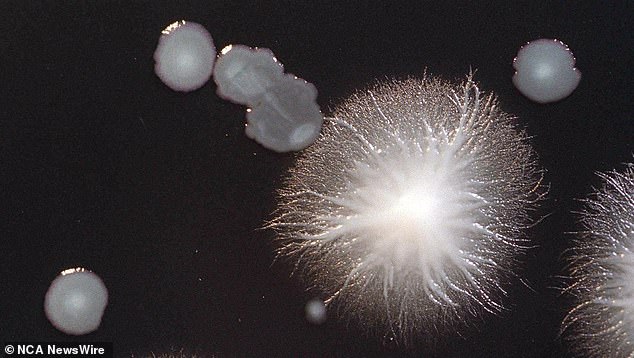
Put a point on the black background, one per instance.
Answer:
(162, 194)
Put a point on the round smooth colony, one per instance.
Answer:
(185, 56)
(75, 301)
(545, 71)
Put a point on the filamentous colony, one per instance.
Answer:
(409, 212)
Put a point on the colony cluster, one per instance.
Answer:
(283, 114)
(409, 210)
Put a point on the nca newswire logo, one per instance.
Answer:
(58, 349)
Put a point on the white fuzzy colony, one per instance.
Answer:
(409, 211)
(601, 323)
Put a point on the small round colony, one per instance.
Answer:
(184, 56)
(283, 114)
(75, 301)
(409, 211)
(316, 311)
(601, 323)
(545, 71)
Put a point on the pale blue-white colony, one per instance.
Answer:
(282, 113)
